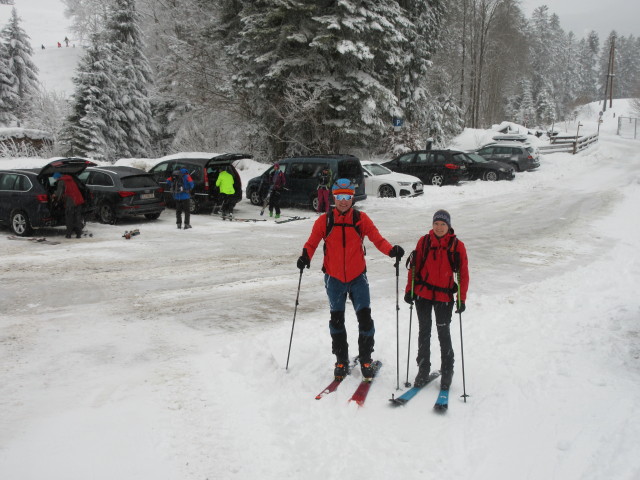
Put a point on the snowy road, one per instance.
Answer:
(163, 356)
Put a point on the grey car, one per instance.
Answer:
(520, 156)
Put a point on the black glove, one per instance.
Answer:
(408, 297)
(396, 252)
(461, 308)
(304, 260)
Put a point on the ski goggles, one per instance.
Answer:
(343, 196)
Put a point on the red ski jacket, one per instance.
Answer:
(343, 248)
(434, 277)
(71, 190)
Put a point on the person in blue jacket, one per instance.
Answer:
(180, 184)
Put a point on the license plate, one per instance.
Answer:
(145, 196)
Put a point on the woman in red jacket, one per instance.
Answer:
(343, 230)
(431, 283)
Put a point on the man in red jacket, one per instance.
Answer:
(438, 255)
(343, 230)
(68, 194)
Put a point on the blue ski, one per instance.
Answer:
(442, 403)
(412, 392)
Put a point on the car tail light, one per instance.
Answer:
(451, 166)
(529, 157)
(206, 181)
(43, 198)
(161, 190)
(125, 194)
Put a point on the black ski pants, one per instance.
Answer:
(366, 341)
(443, 312)
(274, 201)
(183, 206)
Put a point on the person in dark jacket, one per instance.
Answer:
(325, 181)
(431, 284)
(277, 183)
(68, 194)
(180, 184)
(345, 273)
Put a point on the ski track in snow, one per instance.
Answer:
(164, 356)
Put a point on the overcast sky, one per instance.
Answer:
(582, 16)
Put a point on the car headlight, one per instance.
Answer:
(404, 184)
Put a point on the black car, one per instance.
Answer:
(120, 191)
(483, 169)
(302, 176)
(26, 195)
(204, 172)
(433, 167)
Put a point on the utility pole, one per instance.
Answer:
(608, 83)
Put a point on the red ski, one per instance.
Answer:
(360, 395)
(332, 387)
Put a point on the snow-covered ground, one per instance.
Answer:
(164, 356)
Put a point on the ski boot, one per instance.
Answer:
(341, 370)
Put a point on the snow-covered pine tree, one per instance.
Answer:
(94, 127)
(8, 91)
(363, 46)
(587, 53)
(17, 52)
(132, 76)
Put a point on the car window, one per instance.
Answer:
(485, 151)
(161, 169)
(376, 169)
(23, 184)
(305, 169)
(139, 181)
(502, 150)
(7, 181)
(440, 158)
(349, 168)
(422, 158)
(530, 149)
(476, 158)
(406, 158)
(194, 170)
(459, 158)
(100, 179)
(516, 151)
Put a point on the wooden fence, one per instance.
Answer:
(568, 143)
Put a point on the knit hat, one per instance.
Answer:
(443, 216)
(276, 166)
(57, 175)
(343, 186)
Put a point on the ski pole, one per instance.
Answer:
(295, 310)
(397, 265)
(464, 386)
(413, 273)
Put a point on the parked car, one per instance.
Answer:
(522, 156)
(483, 169)
(25, 195)
(204, 171)
(433, 167)
(120, 191)
(379, 181)
(302, 175)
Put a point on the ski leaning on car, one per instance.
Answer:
(343, 230)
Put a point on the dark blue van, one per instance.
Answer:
(303, 174)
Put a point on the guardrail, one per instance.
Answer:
(571, 144)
